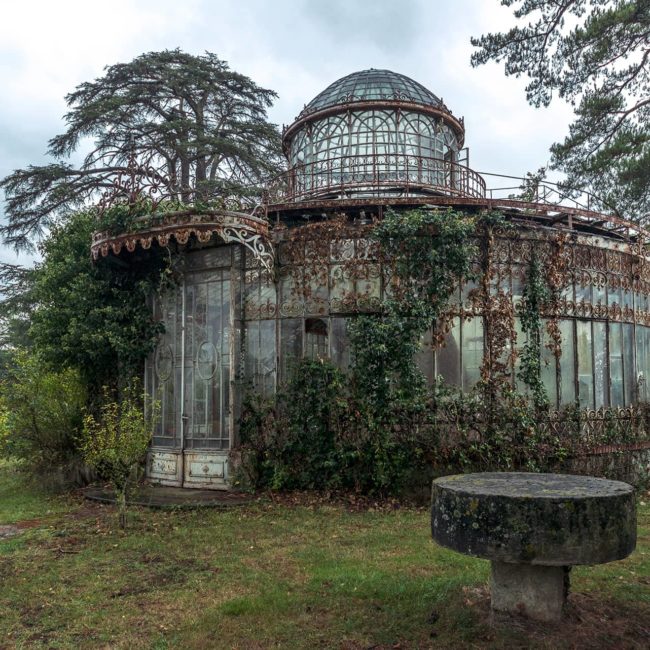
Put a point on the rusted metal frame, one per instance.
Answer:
(233, 280)
(558, 381)
(593, 362)
(576, 380)
(608, 321)
(182, 417)
(608, 358)
(251, 232)
(536, 210)
(548, 186)
(360, 106)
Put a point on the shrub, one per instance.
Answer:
(42, 418)
(115, 442)
(291, 442)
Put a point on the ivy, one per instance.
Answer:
(423, 254)
(536, 295)
(382, 429)
(293, 440)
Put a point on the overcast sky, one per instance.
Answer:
(295, 47)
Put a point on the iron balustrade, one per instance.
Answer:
(374, 174)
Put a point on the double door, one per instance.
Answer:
(190, 375)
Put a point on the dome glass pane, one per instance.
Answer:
(372, 85)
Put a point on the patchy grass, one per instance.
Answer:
(19, 502)
(270, 575)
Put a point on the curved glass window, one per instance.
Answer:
(374, 133)
(374, 147)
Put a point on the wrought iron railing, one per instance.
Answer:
(373, 174)
(541, 191)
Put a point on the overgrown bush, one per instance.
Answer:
(484, 431)
(93, 316)
(291, 442)
(42, 418)
(381, 429)
(374, 434)
(316, 435)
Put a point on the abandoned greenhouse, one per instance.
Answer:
(372, 141)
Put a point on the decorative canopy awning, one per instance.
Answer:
(231, 227)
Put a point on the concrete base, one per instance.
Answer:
(536, 591)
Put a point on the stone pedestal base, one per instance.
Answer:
(537, 591)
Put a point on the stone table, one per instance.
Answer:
(533, 528)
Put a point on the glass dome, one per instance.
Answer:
(372, 85)
(376, 132)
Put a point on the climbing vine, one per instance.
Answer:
(496, 306)
(557, 278)
(536, 295)
(423, 254)
(382, 425)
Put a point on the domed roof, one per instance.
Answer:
(369, 85)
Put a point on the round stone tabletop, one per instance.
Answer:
(548, 519)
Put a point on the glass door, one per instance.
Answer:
(206, 371)
(190, 374)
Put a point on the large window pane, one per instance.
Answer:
(290, 344)
(642, 361)
(600, 364)
(616, 364)
(567, 363)
(585, 364)
(549, 367)
(339, 344)
(448, 356)
(628, 363)
(472, 350)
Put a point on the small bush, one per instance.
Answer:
(115, 442)
(315, 435)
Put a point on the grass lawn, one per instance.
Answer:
(276, 575)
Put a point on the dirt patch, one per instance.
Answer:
(31, 523)
(8, 530)
(591, 623)
(86, 511)
(349, 501)
(150, 496)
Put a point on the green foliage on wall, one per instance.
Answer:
(424, 255)
(93, 316)
(292, 441)
(375, 434)
(536, 294)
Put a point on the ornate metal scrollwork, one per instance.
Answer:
(230, 227)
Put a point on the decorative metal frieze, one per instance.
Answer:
(231, 227)
(602, 426)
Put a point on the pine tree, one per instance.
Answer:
(596, 55)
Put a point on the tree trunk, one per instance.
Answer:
(121, 506)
